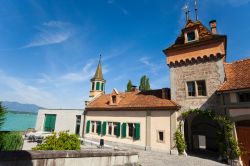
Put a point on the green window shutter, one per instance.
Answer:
(99, 127)
(102, 86)
(137, 131)
(53, 122)
(88, 126)
(97, 85)
(124, 130)
(118, 131)
(49, 124)
(104, 125)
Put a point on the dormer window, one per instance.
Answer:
(114, 99)
(191, 36)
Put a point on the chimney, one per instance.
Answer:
(134, 89)
(166, 93)
(212, 25)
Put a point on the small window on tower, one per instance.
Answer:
(191, 88)
(113, 99)
(97, 85)
(191, 36)
(93, 85)
(201, 85)
(102, 86)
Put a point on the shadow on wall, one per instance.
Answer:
(8, 158)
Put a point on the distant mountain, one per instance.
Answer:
(18, 107)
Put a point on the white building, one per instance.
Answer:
(60, 120)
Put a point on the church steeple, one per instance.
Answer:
(98, 74)
(97, 82)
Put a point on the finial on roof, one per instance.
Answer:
(186, 10)
(100, 58)
(196, 9)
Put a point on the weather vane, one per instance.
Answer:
(186, 10)
(196, 9)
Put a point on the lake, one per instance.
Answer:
(19, 121)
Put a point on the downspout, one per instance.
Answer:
(84, 121)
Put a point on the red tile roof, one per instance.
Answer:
(151, 99)
(237, 76)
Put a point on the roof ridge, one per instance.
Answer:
(238, 61)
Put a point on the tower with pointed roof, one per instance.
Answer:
(97, 82)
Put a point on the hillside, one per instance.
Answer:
(19, 107)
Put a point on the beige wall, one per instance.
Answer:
(65, 119)
(159, 120)
(239, 112)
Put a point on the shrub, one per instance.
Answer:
(179, 141)
(11, 141)
(60, 141)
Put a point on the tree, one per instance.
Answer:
(129, 86)
(144, 83)
(2, 114)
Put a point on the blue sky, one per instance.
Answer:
(49, 49)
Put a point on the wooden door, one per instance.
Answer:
(243, 134)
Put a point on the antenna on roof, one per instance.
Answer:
(100, 58)
(186, 10)
(196, 9)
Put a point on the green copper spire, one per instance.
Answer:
(98, 73)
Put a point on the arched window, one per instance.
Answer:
(93, 85)
(97, 85)
(102, 86)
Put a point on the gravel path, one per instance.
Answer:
(148, 158)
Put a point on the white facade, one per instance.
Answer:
(65, 119)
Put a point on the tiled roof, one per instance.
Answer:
(237, 75)
(204, 35)
(151, 99)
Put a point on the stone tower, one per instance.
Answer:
(196, 65)
(97, 82)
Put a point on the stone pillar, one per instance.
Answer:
(173, 128)
(148, 130)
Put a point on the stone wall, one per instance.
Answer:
(68, 158)
(211, 71)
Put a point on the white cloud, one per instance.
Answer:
(52, 32)
(154, 68)
(18, 90)
(122, 9)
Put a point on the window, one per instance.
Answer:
(93, 85)
(113, 99)
(110, 128)
(244, 96)
(92, 126)
(97, 85)
(160, 136)
(98, 127)
(191, 36)
(78, 124)
(131, 130)
(196, 88)
(201, 85)
(102, 86)
(191, 88)
(49, 122)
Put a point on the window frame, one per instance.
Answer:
(238, 97)
(196, 89)
(196, 35)
(158, 136)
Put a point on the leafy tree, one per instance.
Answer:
(60, 141)
(2, 114)
(129, 86)
(144, 83)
